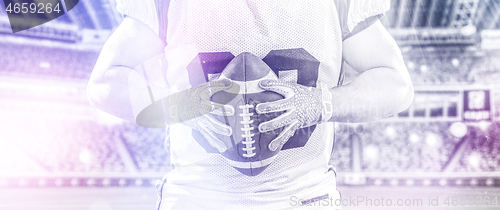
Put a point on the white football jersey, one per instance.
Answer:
(203, 36)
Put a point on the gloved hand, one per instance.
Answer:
(192, 107)
(304, 106)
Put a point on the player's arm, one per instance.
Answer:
(114, 86)
(383, 87)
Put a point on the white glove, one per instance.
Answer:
(192, 107)
(304, 106)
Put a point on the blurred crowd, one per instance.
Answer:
(452, 67)
(72, 145)
(396, 147)
(418, 147)
(76, 146)
(147, 147)
(59, 145)
(482, 152)
(43, 62)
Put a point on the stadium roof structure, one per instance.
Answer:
(411, 22)
(88, 23)
(421, 14)
(438, 22)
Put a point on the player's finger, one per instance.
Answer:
(231, 89)
(213, 141)
(274, 106)
(277, 86)
(226, 110)
(206, 89)
(215, 108)
(284, 136)
(223, 85)
(216, 126)
(278, 122)
(215, 86)
(207, 106)
(205, 128)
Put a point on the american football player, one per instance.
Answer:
(165, 47)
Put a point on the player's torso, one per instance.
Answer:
(259, 27)
(300, 40)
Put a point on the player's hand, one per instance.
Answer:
(192, 107)
(209, 127)
(304, 106)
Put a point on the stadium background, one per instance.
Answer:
(58, 152)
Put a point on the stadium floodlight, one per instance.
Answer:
(390, 132)
(122, 182)
(411, 65)
(432, 139)
(489, 182)
(484, 125)
(414, 138)
(85, 156)
(424, 68)
(455, 62)
(138, 182)
(458, 129)
(474, 160)
(468, 29)
(443, 182)
(44, 65)
(106, 182)
(371, 152)
(473, 182)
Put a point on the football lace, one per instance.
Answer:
(247, 135)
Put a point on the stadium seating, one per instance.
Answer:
(437, 69)
(146, 145)
(43, 62)
(85, 146)
(73, 145)
(482, 153)
(402, 146)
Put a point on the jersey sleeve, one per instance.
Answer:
(143, 10)
(361, 13)
(360, 10)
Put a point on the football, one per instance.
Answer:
(248, 150)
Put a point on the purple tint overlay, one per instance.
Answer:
(44, 62)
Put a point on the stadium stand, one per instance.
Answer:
(420, 147)
(67, 144)
(439, 68)
(341, 157)
(405, 146)
(483, 150)
(146, 146)
(62, 145)
(385, 146)
(72, 146)
(44, 62)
